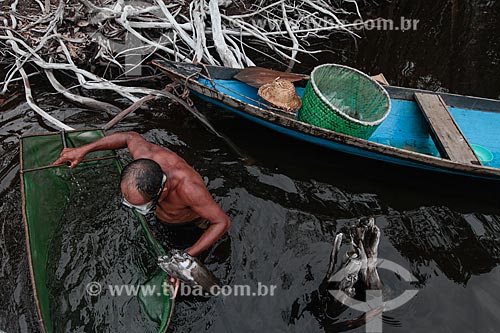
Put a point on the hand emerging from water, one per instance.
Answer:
(71, 155)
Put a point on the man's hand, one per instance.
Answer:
(72, 155)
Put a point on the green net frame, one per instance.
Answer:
(344, 100)
(43, 207)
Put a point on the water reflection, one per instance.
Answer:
(459, 245)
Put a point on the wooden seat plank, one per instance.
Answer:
(446, 133)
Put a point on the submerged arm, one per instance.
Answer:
(200, 200)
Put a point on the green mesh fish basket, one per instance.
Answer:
(344, 100)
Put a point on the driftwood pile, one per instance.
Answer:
(101, 44)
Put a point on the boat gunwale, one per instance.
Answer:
(469, 103)
(304, 128)
(472, 103)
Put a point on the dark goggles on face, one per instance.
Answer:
(149, 206)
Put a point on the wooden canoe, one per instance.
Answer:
(427, 130)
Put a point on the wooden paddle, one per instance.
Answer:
(259, 76)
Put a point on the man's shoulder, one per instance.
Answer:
(169, 161)
(190, 183)
(189, 178)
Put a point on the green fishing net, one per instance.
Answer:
(77, 234)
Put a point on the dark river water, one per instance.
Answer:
(287, 199)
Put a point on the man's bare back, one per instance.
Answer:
(184, 197)
(173, 208)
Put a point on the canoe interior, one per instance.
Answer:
(405, 127)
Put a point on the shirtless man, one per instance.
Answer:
(160, 180)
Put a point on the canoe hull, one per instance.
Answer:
(335, 145)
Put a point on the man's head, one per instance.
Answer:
(142, 182)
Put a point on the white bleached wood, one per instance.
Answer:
(206, 35)
(225, 54)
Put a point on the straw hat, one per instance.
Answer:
(281, 93)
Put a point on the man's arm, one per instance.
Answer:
(200, 200)
(137, 145)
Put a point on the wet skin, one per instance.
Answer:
(184, 198)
